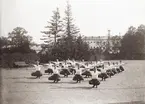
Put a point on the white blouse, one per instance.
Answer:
(55, 71)
(37, 67)
(95, 75)
(79, 71)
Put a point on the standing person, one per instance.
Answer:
(37, 73)
(78, 77)
(55, 77)
(94, 81)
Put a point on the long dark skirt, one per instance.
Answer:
(65, 72)
(98, 69)
(54, 77)
(92, 69)
(114, 71)
(87, 74)
(121, 68)
(72, 70)
(94, 82)
(38, 74)
(118, 70)
(49, 71)
(103, 76)
(109, 73)
(78, 78)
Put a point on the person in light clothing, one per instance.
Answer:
(78, 77)
(86, 72)
(103, 74)
(65, 71)
(121, 66)
(55, 71)
(49, 69)
(114, 68)
(109, 70)
(117, 67)
(94, 81)
(55, 77)
(37, 73)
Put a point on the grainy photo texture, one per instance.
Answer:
(72, 51)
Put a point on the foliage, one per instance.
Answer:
(133, 43)
(116, 43)
(81, 49)
(8, 59)
(70, 28)
(55, 27)
(16, 48)
(4, 42)
(18, 41)
(18, 38)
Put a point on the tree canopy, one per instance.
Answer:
(133, 43)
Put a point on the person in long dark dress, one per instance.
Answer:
(49, 69)
(103, 74)
(37, 73)
(65, 71)
(121, 66)
(55, 77)
(94, 81)
(78, 77)
(87, 72)
(109, 70)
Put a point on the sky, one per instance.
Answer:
(92, 17)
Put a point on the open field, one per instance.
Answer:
(18, 87)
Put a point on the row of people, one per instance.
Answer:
(89, 70)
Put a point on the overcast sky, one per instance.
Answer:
(93, 17)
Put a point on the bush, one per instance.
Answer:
(7, 60)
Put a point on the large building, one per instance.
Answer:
(96, 42)
(103, 42)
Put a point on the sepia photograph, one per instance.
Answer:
(72, 51)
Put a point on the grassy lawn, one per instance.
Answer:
(18, 87)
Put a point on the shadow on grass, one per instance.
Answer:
(25, 82)
(90, 87)
(15, 78)
(76, 87)
(30, 77)
(46, 82)
(59, 85)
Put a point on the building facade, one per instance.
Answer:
(96, 42)
(103, 42)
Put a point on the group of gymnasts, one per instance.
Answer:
(97, 71)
